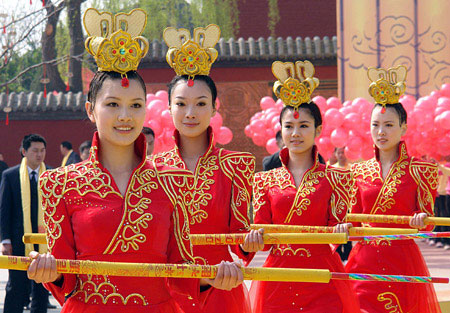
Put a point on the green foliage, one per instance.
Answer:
(62, 47)
(31, 80)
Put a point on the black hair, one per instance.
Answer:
(28, 139)
(66, 145)
(278, 136)
(203, 78)
(85, 145)
(398, 107)
(148, 131)
(100, 77)
(312, 109)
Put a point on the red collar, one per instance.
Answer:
(284, 156)
(402, 151)
(140, 148)
(210, 134)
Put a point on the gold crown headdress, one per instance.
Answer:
(295, 84)
(387, 85)
(192, 56)
(115, 41)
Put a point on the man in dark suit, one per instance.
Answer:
(15, 203)
(273, 161)
(3, 165)
(70, 156)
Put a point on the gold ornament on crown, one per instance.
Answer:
(192, 56)
(296, 82)
(115, 41)
(387, 85)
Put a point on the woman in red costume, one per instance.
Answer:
(117, 206)
(302, 192)
(392, 183)
(217, 194)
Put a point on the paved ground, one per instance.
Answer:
(438, 261)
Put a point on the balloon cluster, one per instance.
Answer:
(348, 125)
(265, 124)
(158, 118)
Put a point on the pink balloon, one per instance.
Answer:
(360, 105)
(321, 102)
(445, 117)
(270, 133)
(266, 103)
(279, 104)
(248, 131)
(334, 118)
(339, 137)
(216, 121)
(352, 120)
(258, 126)
(346, 109)
(408, 102)
(225, 135)
(347, 103)
(367, 152)
(275, 121)
(352, 154)
(217, 103)
(334, 102)
(163, 95)
(445, 90)
(271, 146)
(155, 108)
(258, 139)
(325, 143)
(166, 118)
(150, 97)
(277, 127)
(155, 126)
(443, 102)
(355, 142)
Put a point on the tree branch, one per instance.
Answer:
(54, 62)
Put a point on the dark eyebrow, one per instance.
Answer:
(180, 97)
(135, 99)
(304, 122)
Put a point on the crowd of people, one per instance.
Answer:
(121, 203)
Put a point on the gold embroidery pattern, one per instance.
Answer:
(344, 191)
(287, 250)
(426, 176)
(52, 191)
(97, 289)
(196, 194)
(240, 168)
(171, 158)
(392, 303)
(385, 199)
(263, 181)
(135, 218)
(369, 168)
(173, 181)
(307, 187)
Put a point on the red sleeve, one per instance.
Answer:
(179, 251)
(60, 239)
(261, 204)
(425, 175)
(240, 167)
(342, 195)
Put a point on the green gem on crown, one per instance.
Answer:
(122, 51)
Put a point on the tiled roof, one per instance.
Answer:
(260, 49)
(71, 105)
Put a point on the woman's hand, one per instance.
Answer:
(342, 228)
(229, 276)
(254, 241)
(418, 220)
(43, 268)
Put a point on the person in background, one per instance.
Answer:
(84, 149)
(442, 205)
(70, 156)
(20, 212)
(150, 138)
(342, 162)
(273, 161)
(3, 165)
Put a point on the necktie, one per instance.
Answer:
(33, 177)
